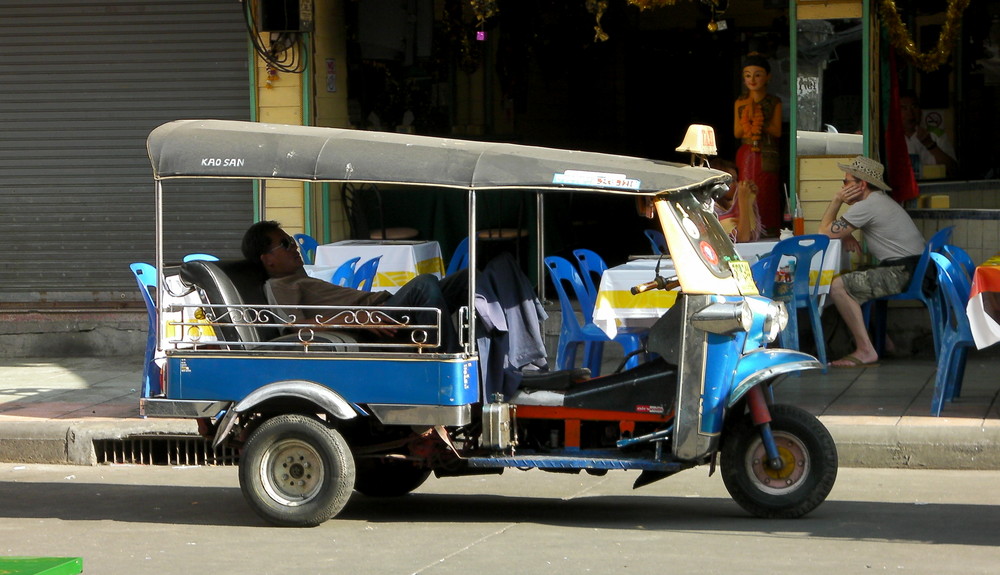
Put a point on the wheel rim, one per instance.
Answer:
(292, 472)
(790, 477)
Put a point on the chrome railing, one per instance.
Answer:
(323, 328)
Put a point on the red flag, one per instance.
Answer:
(900, 171)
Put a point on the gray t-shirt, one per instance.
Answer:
(888, 229)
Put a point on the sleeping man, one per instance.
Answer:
(277, 252)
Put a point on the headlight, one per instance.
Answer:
(776, 320)
(723, 317)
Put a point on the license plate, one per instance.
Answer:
(744, 279)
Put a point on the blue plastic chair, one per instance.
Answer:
(200, 257)
(962, 281)
(592, 267)
(915, 291)
(804, 295)
(307, 248)
(657, 242)
(955, 334)
(459, 258)
(764, 271)
(364, 275)
(145, 276)
(344, 275)
(963, 285)
(574, 332)
(962, 258)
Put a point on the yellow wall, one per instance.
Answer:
(330, 107)
(281, 99)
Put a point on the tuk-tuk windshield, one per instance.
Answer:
(704, 232)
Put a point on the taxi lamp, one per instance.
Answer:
(700, 142)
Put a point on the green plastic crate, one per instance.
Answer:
(41, 565)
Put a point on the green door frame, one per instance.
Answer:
(793, 116)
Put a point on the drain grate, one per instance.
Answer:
(163, 450)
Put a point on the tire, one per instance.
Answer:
(387, 477)
(296, 472)
(804, 482)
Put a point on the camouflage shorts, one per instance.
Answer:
(876, 282)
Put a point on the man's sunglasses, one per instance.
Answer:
(286, 243)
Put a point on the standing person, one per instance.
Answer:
(757, 124)
(892, 238)
(930, 148)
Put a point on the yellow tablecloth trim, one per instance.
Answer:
(623, 299)
(389, 279)
(399, 278)
(431, 266)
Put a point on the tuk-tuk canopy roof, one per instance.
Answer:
(231, 149)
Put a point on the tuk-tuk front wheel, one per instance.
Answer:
(296, 472)
(809, 464)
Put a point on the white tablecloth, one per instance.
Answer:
(401, 260)
(835, 261)
(982, 309)
(324, 273)
(616, 306)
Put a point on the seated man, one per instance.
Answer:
(892, 237)
(277, 252)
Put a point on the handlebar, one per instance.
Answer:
(659, 283)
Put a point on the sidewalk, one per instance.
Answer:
(52, 410)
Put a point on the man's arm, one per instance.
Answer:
(832, 225)
(936, 148)
(747, 199)
(837, 227)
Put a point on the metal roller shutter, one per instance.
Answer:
(82, 83)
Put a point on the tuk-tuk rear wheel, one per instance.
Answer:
(296, 472)
(388, 477)
(809, 464)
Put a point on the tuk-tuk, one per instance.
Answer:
(317, 413)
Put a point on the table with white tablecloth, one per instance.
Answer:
(401, 260)
(615, 305)
(983, 308)
(836, 259)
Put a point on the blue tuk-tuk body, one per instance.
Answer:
(359, 380)
(318, 411)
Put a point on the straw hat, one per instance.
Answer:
(868, 170)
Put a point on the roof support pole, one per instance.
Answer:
(473, 266)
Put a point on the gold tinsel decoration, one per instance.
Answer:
(597, 8)
(483, 9)
(903, 42)
(649, 4)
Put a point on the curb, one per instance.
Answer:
(917, 446)
(72, 442)
(870, 445)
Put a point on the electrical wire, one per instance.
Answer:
(285, 52)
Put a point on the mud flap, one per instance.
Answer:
(649, 476)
